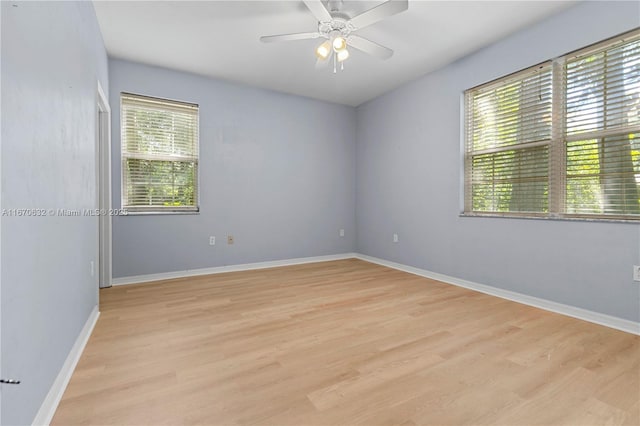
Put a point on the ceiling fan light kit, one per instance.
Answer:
(339, 43)
(338, 31)
(324, 50)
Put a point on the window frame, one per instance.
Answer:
(557, 154)
(158, 210)
(497, 83)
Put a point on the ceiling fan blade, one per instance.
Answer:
(289, 37)
(371, 16)
(318, 10)
(367, 46)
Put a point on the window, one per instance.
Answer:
(159, 155)
(561, 139)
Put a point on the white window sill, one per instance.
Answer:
(553, 218)
(161, 213)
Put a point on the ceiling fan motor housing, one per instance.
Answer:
(337, 26)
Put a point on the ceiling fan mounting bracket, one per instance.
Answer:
(336, 24)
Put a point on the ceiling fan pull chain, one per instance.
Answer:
(334, 64)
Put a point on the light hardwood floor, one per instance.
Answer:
(344, 342)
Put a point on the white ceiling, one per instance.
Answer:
(220, 39)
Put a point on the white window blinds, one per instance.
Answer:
(508, 137)
(159, 154)
(603, 130)
(561, 139)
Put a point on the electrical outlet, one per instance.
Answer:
(92, 266)
(212, 241)
(636, 272)
(395, 238)
(230, 239)
(342, 232)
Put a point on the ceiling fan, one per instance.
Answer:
(338, 29)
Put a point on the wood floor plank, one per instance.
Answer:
(344, 342)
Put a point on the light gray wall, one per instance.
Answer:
(409, 182)
(52, 58)
(276, 171)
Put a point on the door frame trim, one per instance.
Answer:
(103, 188)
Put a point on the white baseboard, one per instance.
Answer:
(51, 401)
(559, 308)
(230, 268)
